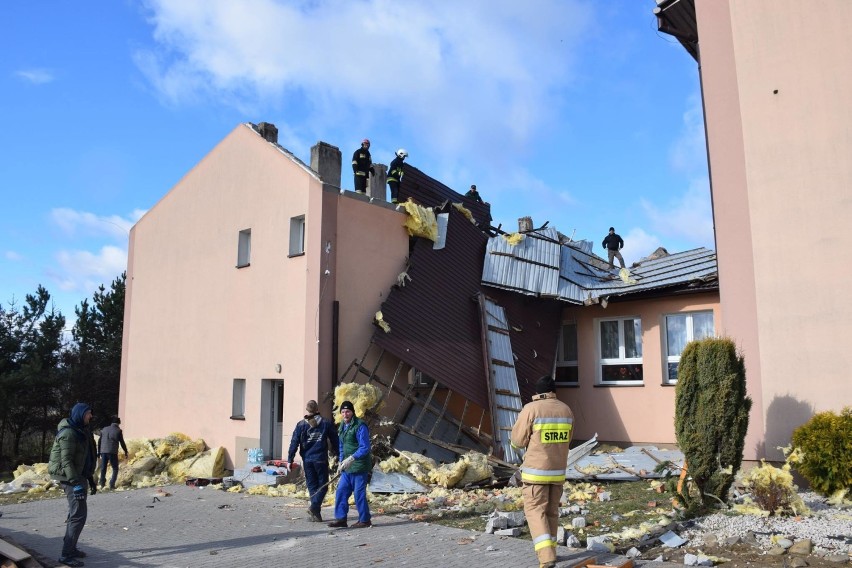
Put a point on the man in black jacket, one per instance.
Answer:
(613, 243)
(313, 437)
(111, 438)
(362, 166)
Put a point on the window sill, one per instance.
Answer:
(610, 386)
(668, 384)
(294, 255)
(238, 417)
(244, 265)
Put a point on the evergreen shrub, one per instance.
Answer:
(823, 451)
(711, 418)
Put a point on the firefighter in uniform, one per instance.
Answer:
(544, 428)
(362, 166)
(395, 174)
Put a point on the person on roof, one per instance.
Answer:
(613, 243)
(543, 428)
(362, 166)
(395, 173)
(473, 194)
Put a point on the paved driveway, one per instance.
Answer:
(204, 527)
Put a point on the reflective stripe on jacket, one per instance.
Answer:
(544, 427)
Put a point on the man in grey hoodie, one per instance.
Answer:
(111, 438)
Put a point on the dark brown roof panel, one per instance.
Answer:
(432, 193)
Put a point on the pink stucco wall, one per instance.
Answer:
(628, 414)
(776, 95)
(194, 321)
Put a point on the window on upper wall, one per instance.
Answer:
(620, 351)
(244, 248)
(297, 235)
(238, 400)
(680, 329)
(567, 372)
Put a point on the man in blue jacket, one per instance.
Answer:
(354, 469)
(313, 437)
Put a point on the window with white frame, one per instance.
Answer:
(238, 400)
(680, 329)
(297, 235)
(244, 248)
(567, 372)
(620, 351)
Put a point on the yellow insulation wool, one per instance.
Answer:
(514, 239)
(421, 222)
(363, 397)
(464, 211)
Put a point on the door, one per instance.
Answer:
(272, 418)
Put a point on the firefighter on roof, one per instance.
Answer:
(362, 166)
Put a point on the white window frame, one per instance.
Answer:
(244, 249)
(561, 361)
(238, 400)
(297, 235)
(629, 363)
(669, 358)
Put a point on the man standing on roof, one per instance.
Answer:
(312, 437)
(473, 194)
(544, 428)
(612, 243)
(362, 166)
(395, 174)
(354, 469)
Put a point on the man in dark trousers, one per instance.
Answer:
(354, 469)
(313, 437)
(111, 438)
(362, 166)
(544, 428)
(613, 244)
(72, 463)
(395, 172)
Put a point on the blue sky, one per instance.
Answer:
(575, 112)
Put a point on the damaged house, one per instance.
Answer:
(257, 283)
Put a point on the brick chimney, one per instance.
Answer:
(269, 132)
(326, 161)
(525, 224)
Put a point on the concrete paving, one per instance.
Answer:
(206, 527)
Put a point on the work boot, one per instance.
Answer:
(362, 525)
(338, 524)
(315, 516)
(78, 553)
(70, 561)
(551, 564)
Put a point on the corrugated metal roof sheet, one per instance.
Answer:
(531, 267)
(504, 381)
(435, 323)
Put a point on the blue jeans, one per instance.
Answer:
(348, 483)
(316, 476)
(113, 462)
(77, 513)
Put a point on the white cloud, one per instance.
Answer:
(13, 256)
(638, 244)
(35, 76)
(74, 223)
(457, 74)
(689, 151)
(688, 217)
(84, 271)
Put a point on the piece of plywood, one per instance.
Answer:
(12, 552)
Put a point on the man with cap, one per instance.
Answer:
(362, 166)
(111, 438)
(544, 428)
(473, 194)
(72, 462)
(313, 437)
(613, 244)
(354, 469)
